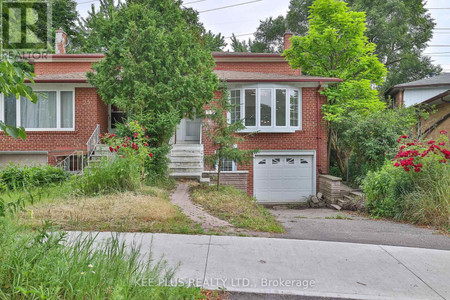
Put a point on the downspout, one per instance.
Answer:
(318, 128)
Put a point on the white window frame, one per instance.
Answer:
(273, 128)
(58, 110)
(233, 166)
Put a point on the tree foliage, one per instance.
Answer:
(400, 29)
(335, 46)
(224, 135)
(156, 70)
(12, 82)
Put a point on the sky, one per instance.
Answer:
(243, 20)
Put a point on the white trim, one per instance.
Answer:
(58, 109)
(288, 153)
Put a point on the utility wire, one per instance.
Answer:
(194, 2)
(229, 6)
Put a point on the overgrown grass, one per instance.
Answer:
(35, 265)
(144, 210)
(420, 198)
(15, 177)
(236, 207)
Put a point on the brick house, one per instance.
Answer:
(275, 101)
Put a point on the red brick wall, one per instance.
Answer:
(41, 68)
(89, 111)
(305, 139)
(258, 67)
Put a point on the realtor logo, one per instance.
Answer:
(25, 26)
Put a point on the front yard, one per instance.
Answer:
(145, 210)
(235, 207)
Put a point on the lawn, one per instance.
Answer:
(235, 207)
(146, 210)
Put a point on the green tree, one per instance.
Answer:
(335, 46)
(13, 83)
(155, 68)
(224, 135)
(400, 29)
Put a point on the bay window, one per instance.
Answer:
(54, 110)
(267, 108)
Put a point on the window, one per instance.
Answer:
(267, 108)
(280, 103)
(276, 161)
(294, 107)
(54, 110)
(228, 166)
(235, 101)
(250, 107)
(262, 162)
(290, 161)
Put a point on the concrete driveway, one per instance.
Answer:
(328, 225)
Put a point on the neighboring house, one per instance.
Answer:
(275, 101)
(431, 93)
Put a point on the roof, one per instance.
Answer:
(438, 99)
(439, 80)
(229, 76)
(65, 77)
(236, 76)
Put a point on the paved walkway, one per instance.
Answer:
(322, 225)
(195, 212)
(300, 267)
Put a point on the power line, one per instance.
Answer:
(434, 53)
(229, 6)
(238, 35)
(194, 2)
(437, 7)
(438, 46)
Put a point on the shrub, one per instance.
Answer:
(38, 265)
(116, 174)
(16, 177)
(136, 145)
(415, 186)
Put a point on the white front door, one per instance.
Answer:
(189, 130)
(283, 178)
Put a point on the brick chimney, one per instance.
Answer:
(60, 41)
(287, 42)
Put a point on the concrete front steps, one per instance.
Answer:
(348, 199)
(186, 161)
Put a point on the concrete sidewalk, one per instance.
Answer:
(300, 267)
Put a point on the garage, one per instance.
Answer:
(283, 178)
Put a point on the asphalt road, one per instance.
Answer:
(322, 225)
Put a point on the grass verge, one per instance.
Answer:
(145, 210)
(38, 265)
(235, 207)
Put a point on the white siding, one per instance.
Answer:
(414, 96)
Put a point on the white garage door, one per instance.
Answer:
(283, 178)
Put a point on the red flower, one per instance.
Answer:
(145, 144)
(111, 149)
(123, 156)
(135, 135)
(397, 164)
(442, 144)
(419, 165)
(404, 137)
(431, 142)
(151, 155)
(146, 137)
(403, 147)
(399, 140)
(417, 170)
(443, 131)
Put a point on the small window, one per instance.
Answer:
(276, 161)
(290, 161)
(303, 161)
(262, 162)
(227, 166)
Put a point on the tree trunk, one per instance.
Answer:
(219, 167)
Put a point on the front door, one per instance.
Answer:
(189, 130)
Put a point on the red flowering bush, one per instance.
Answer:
(415, 155)
(131, 146)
